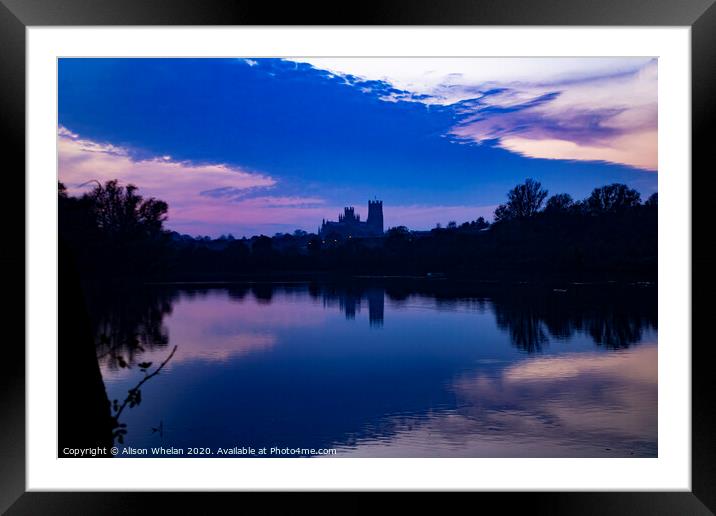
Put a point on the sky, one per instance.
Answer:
(252, 146)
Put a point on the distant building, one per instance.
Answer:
(350, 225)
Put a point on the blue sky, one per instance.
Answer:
(257, 146)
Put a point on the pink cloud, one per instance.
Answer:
(638, 149)
(211, 199)
(611, 119)
(82, 160)
(594, 109)
(183, 185)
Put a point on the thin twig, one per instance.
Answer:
(131, 391)
(90, 181)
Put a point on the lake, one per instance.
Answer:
(385, 368)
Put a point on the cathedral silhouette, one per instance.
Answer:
(349, 224)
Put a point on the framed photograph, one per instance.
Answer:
(394, 249)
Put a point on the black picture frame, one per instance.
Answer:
(16, 15)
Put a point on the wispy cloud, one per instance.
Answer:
(82, 160)
(180, 183)
(217, 198)
(595, 109)
(610, 119)
(241, 195)
(203, 198)
(283, 202)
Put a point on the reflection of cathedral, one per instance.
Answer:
(350, 225)
(376, 306)
(350, 302)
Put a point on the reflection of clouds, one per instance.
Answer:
(431, 304)
(588, 392)
(570, 405)
(191, 349)
(488, 401)
(287, 309)
(218, 330)
(636, 366)
(230, 346)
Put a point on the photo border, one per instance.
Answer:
(16, 15)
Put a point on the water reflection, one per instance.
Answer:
(574, 405)
(613, 317)
(429, 369)
(350, 299)
(128, 324)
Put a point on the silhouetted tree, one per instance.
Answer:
(397, 238)
(559, 203)
(481, 223)
(120, 212)
(262, 245)
(653, 200)
(561, 240)
(114, 232)
(398, 231)
(523, 201)
(613, 198)
(579, 207)
(84, 417)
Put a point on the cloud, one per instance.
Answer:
(82, 160)
(200, 196)
(225, 192)
(595, 109)
(211, 199)
(638, 150)
(203, 198)
(611, 119)
(240, 195)
(573, 405)
(447, 81)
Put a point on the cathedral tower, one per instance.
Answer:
(375, 216)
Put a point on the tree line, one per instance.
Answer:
(527, 199)
(112, 233)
